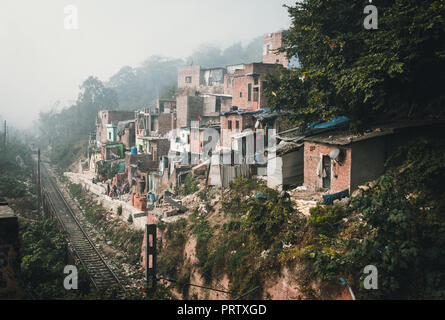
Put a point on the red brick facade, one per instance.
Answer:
(244, 121)
(272, 42)
(340, 173)
(248, 85)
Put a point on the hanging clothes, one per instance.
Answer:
(320, 167)
(324, 174)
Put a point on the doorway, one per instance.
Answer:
(326, 174)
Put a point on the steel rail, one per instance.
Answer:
(89, 266)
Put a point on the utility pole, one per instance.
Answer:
(38, 183)
(4, 136)
(150, 256)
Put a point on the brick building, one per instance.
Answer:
(149, 124)
(248, 85)
(194, 78)
(229, 76)
(338, 160)
(233, 123)
(106, 120)
(272, 42)
(201, 135)
(188, 110)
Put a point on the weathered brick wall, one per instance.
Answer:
(109, 117)
(274, 40)
(241, 93)
(340, 174)
(165, 123)
(114, 116)
(226, 104)
(241, 83)
(128, 138)
(181, 109)
(189, 71)
(188, 109)
(195, 108)
(196, 139)
(160, 148)
(245, 121)
(228, 84)
(209, 106)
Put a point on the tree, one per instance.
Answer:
(393, 72)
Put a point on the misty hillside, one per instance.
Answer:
(133, 88)
(156, 77)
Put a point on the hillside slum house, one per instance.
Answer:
(340, 161)
(158, 146)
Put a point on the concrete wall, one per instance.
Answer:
(286, 170)
(368, 160)
(108, 203)
(275, 172)
(293, 168)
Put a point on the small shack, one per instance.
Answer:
(285, 166)
(339, 160)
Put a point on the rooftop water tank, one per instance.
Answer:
(134, 150)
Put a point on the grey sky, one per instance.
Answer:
(41, 62)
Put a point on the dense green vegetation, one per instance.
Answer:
(397, 224)
(12, 174)
(43, 255)
(107, 169)
(393, 72)
(190, 185)
(60, 129)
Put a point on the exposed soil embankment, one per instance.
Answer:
(239, 240)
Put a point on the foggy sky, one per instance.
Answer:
(41, 62)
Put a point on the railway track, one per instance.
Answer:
(100, 273)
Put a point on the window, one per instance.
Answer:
(255, 94)
(188, 79)
(255, 80)
(240, 94)
(230, 125)
(249, 92)
(237, 125)
(109, 135)
(218, 104)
